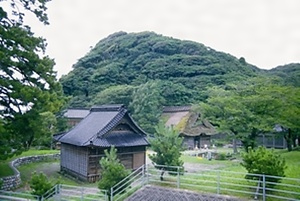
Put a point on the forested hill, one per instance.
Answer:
(125, 62)
(290, 73)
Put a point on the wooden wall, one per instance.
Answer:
(131, 157)
(190, 142)
(83, 162)
(74, 159)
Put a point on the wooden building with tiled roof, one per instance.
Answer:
(104, 126)
(75, 115)
(196, 132)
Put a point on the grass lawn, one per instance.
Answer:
(51, 169)
(234, 168)
(292, 162)
(5, 170)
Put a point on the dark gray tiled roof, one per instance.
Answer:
(95, 127)
(77, 113)
(156, 193)
(121, 140)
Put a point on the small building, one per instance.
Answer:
(196, 132)
(108, 125)
(75, 115)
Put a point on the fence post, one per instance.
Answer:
(106, 195)
(147, 174)
(59, 187)
(111, 194)
(178, 178)
(143, 175)
(264, 187)
(218, 182)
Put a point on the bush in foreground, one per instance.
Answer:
(112, 170)
(39, 184)
(264, 161)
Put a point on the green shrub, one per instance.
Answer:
(39, 184)
(263, 161)
(220, 156)
(112, 170)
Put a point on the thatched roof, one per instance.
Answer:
(187, 121)
(97, 129)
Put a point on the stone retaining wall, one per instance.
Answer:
(12, 182)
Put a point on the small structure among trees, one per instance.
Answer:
(75, 115)
(108, 125)
(196, 132)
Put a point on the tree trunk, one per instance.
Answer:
(289, 140)
(234, 146)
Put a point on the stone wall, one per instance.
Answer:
(12, 182)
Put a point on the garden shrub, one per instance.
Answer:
(39, 184)
(264, 161)
(220, 156)
(112, 171)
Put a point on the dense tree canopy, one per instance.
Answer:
(134, 59)
(120, 67)
(28, 85)
(253, 107)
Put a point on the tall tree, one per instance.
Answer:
(288, 114)
(28, 85)
(250, 108)
(146, 105)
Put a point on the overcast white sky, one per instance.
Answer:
(265, 32)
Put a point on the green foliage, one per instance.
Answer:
(27, 81)
(221, 156)
(123, 67)
(123, 63)
(39, 184)
(251, 107)
(112, 171)
(263, 161)
(147, 105)
(119, 94)
(290, 73)
(167, 146)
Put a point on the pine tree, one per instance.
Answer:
(112, 171)
(167, 145)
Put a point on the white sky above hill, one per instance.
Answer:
(265, 32)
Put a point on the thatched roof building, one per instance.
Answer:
(196, 132)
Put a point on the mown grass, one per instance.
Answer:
(52, 170)
(5, 169)
(292, 171)
(292, 162)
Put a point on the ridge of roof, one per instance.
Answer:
(177, 108)
(113, 122)
(109, 107)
